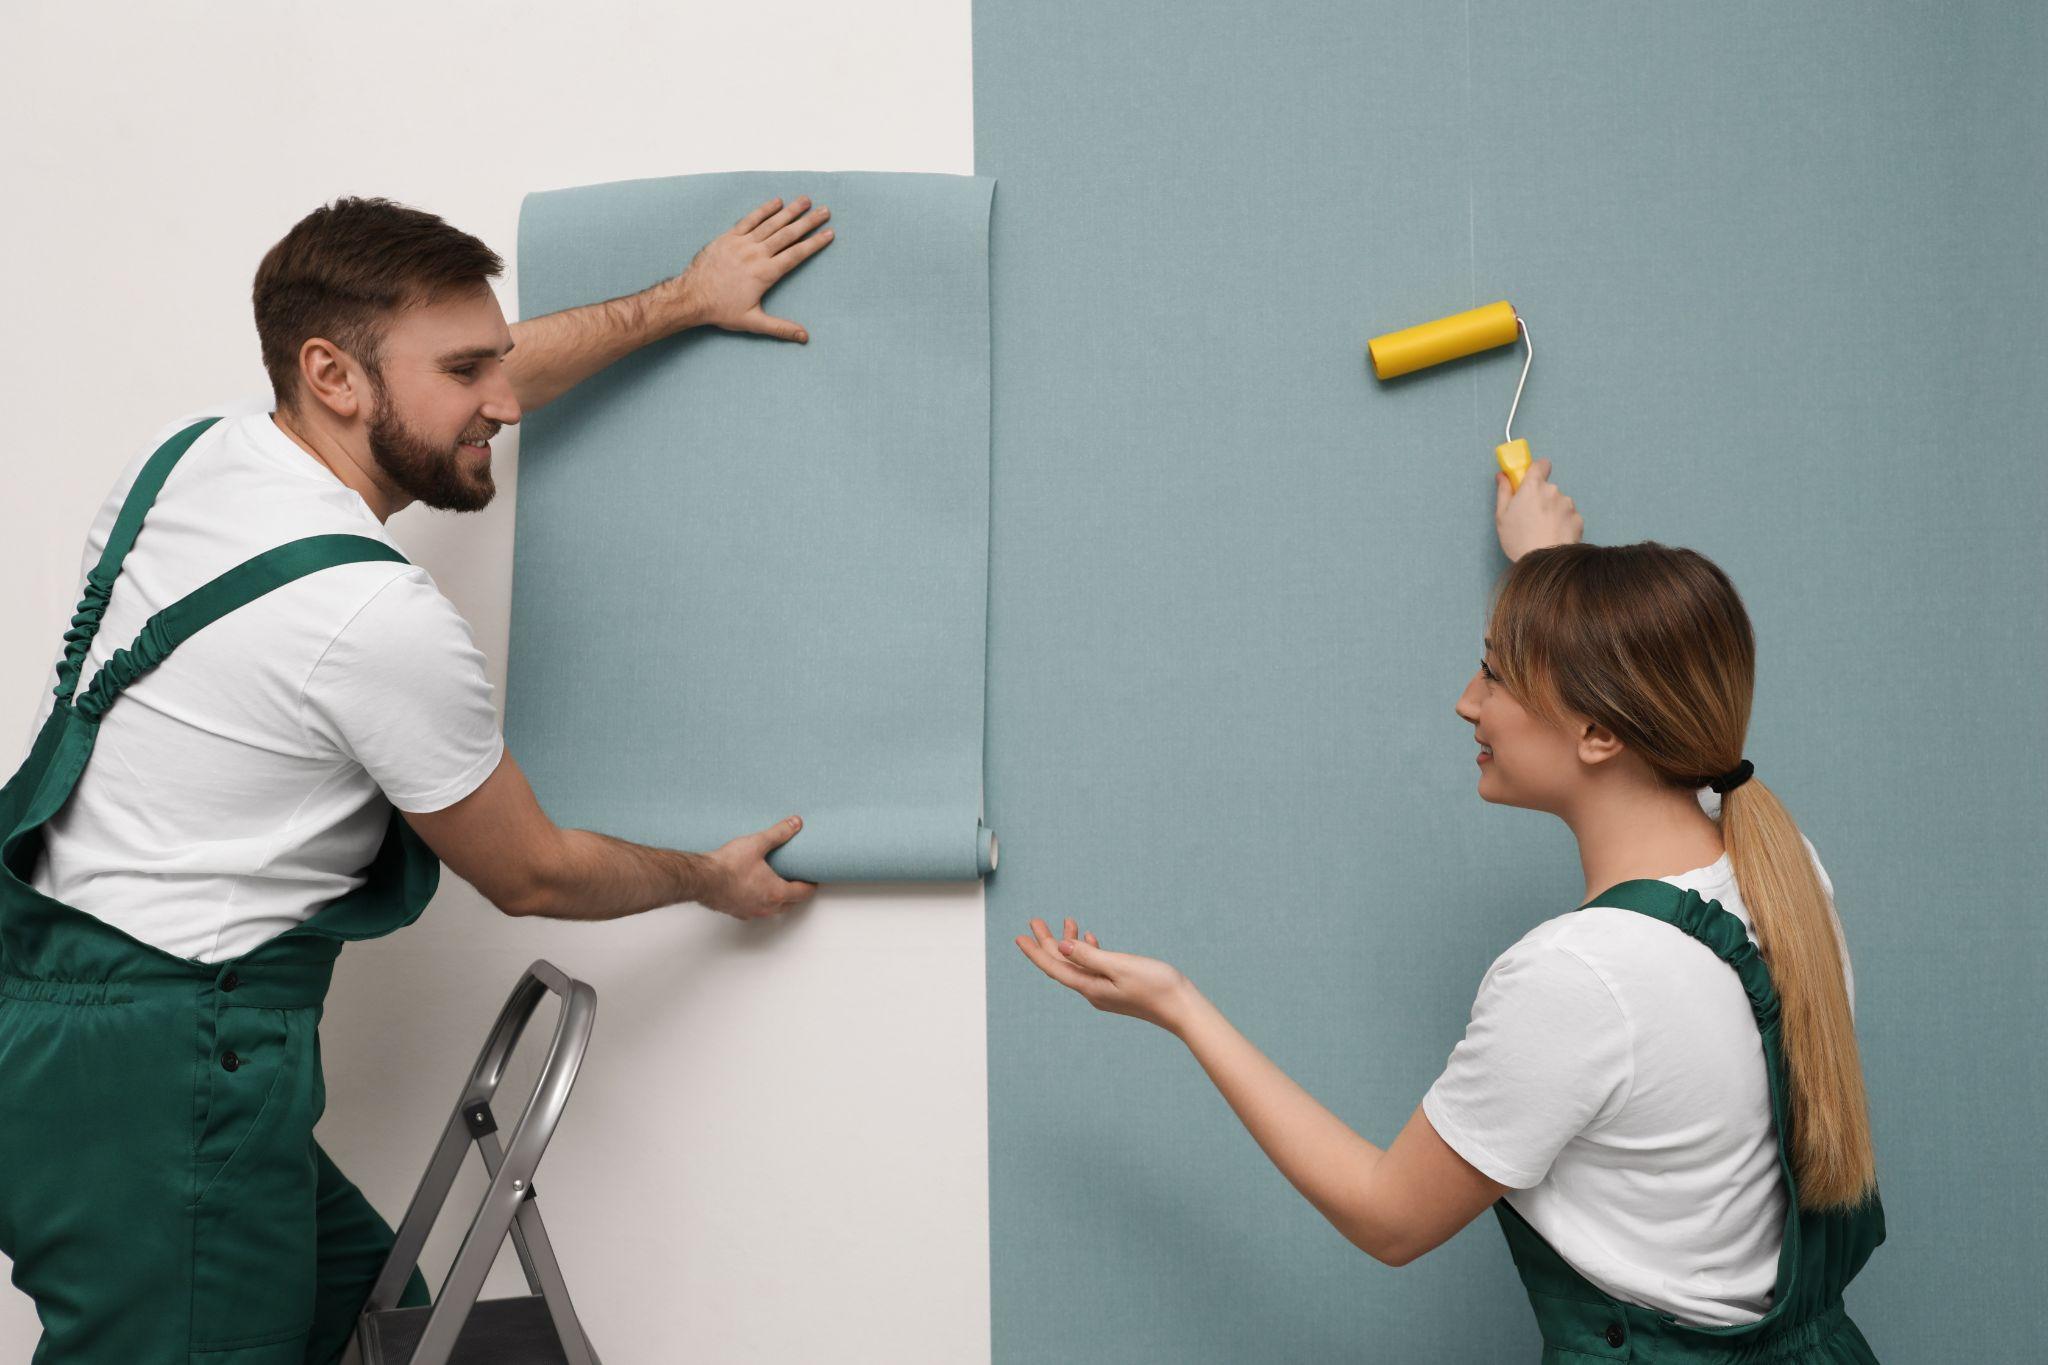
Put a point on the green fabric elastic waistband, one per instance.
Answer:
(291, 985)
(51, 952)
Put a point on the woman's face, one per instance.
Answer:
(1523, 761)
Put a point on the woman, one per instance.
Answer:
(1648, 1083)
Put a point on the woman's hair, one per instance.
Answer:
(1653, 643)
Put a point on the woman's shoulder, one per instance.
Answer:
(1617, 945)
(1566, 944)
(1586, 925)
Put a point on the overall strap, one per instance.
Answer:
(1706, 921)
(1821, 1252)
(204, 605)
(99, 584)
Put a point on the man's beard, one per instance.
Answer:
(429, 473)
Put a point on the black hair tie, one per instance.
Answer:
(1728, 782)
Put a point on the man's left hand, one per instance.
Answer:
(725, 281)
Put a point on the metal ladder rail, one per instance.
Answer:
(508, 1201)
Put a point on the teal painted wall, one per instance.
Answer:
(1783, 265)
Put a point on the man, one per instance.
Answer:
(191, 839)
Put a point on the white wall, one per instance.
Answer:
(778, 1147)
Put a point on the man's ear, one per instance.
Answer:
(332, 377)
(1597, 743)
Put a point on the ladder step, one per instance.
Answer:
(515, 1331)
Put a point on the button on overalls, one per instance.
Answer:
(1820, 1253)
(161, 1193)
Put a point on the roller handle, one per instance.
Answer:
(1514, 460)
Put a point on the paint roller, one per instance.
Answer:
(1462, 334)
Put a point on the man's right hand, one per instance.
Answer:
(747, 887)
(499, 840)
(1535, 516)
(723, 284)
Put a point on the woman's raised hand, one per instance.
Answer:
(1116, 983)
(1536, 515)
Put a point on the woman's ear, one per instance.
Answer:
(1597, 743)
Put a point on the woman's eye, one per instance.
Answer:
(1488, 673)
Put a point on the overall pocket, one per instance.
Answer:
(254, 1226)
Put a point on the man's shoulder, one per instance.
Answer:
(140, 455)
(247, 405)
(400, 614)
(236, 495)
(246, 487)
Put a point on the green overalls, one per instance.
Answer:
(161, 1193)
(1821, 1253)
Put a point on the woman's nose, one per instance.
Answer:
(1466, 708)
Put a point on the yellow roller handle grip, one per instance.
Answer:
(1432, 343)
(1514, 460)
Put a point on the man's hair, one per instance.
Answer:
(345, 269)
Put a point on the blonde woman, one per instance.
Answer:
(1659, 1093)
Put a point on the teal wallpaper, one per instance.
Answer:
(1783, 265)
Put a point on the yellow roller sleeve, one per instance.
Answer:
(1432, 343)
(1514, 460)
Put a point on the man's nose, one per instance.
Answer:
(502, 406)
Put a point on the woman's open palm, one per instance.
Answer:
(1116, 983)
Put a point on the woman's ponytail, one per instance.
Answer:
(1800, 941)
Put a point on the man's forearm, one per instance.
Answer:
(594, 876)
(553, 353)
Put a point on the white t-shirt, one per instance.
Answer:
(1613, 1074)
(247, 781)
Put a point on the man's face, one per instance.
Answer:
(439, 394)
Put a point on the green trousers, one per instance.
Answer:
(164, 1197)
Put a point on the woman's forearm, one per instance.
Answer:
(1332, 1166)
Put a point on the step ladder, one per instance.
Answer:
(537, 1328)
